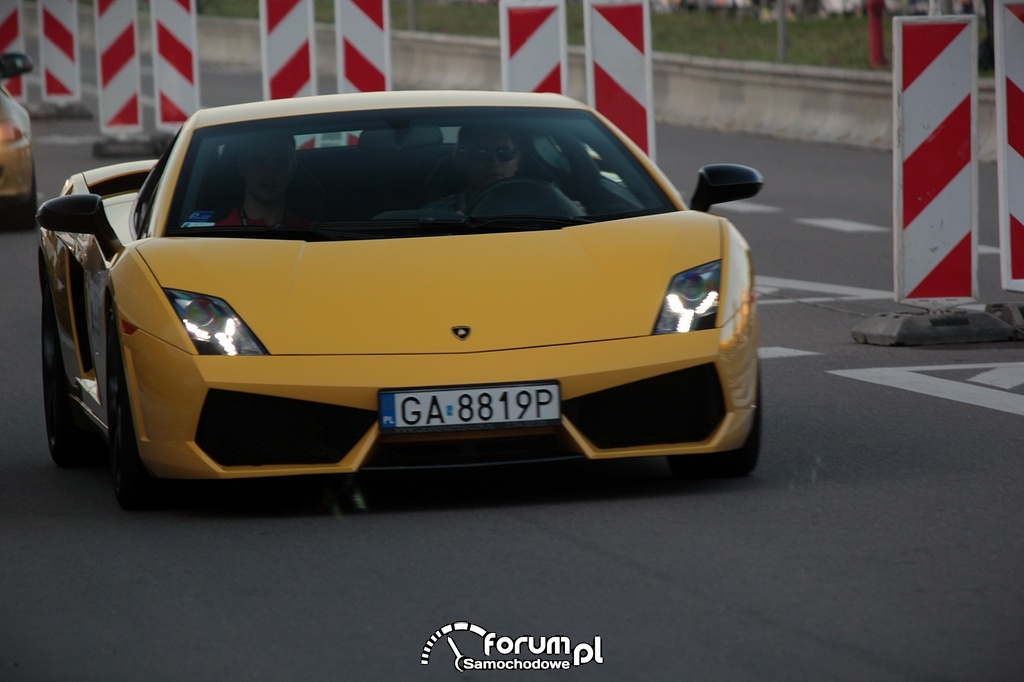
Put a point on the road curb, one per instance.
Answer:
(128, 147)
(50, 111)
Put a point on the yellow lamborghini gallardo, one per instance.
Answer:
(395, 280)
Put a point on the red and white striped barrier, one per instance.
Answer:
(117, 56)
(58, 51)
(935, 164)
(12, 39)
(175, 62)
(534, 54)
(618, 65)
(363, 33)
(1009, 44)
(289, 48)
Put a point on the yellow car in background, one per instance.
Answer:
(17, 167)
(396, 280)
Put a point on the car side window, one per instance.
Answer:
(141, 224)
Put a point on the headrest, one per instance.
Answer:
(408, 138)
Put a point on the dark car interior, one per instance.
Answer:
(343, 174)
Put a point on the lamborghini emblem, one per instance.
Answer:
(461, 332)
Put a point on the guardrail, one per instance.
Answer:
(805, 103)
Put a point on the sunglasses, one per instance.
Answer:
(502, 154)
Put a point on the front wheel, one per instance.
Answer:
(134, 488)
(734, 463)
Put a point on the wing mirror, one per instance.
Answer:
(14, 64)
(80, 214)
(718, 183)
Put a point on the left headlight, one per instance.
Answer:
(215, 329)
(691, 302)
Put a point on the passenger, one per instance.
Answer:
(267, 165)
(482, 156)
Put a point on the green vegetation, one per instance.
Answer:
(840, 42)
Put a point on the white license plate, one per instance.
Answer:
(468, 408)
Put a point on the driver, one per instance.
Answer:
(482, 156)
(267, 165)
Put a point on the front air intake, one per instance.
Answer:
(247, 429)
(680, 407)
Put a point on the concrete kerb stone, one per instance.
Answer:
(931, 328)
(51, 111)
(129, 147)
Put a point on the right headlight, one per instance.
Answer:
(691, 302)
(215, 329)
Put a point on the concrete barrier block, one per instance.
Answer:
(781, 100)
(927, 328)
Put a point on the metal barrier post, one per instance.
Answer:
(618, 56)
(363, 32)
(534, 53)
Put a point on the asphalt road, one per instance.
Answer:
(879, 539)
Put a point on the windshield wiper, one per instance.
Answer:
(261, 232)
(386, 229)
(390, 228)
(455, 223)
(522, 223)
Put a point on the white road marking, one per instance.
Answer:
(767, 286)
(841, 225)
(773, 352)
(1001, 377)
(836, 224)
(64, 140)
(912, 379)
(747, 207)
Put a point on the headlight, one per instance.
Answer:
(213, 326)
(9, 132)
(691, 302)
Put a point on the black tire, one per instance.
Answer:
(70, 445)
(134, 488)
(734, 463)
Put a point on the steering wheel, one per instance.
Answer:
(522, 196)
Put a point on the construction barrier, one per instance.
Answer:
(117, 58)
(12, 39)
(935, 165)
(175, 62)
(363, 36)
(618, 66)
(534, 53)
(1009, 44)
(288, 48)
(58, 51)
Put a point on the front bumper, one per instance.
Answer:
(234, 417)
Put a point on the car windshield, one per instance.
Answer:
(409, 173)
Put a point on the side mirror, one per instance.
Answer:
(14, 64)
(80, 214)
(718, 183)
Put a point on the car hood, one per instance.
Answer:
(384, 296)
